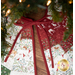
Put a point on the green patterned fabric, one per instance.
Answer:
(4, 70)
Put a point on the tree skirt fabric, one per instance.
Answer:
(57, 53)
(21, 59)
(4, 70)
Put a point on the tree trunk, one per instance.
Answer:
(41, 69)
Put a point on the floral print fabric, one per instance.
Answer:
(22, 53)
(59, 54)
(21, 59)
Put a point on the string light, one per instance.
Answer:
(8, 12)
(70, 2)
(48, 2)
(20, 1)
(4, 11)
(28, 5)
(3, 7)
(1, 28)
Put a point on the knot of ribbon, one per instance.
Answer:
(25, 23)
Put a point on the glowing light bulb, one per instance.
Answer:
(20, 1)
(1, 28)
(70, 2)
(48, 2)
(4, 11)
(28, 5)
(8, 12)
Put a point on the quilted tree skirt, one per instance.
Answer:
(22, 62)
(21, 59)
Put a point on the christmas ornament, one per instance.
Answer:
(63, 65)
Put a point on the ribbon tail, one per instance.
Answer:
(49, 47)
(50, 52)
(12, 46)
(34, 51)
(48, 72)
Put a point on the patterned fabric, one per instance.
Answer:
(4, 70)
(26, 34)
(59, 54)
(53, 47)
(21, 58)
